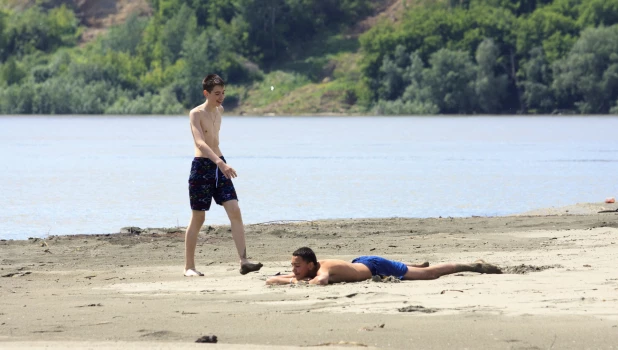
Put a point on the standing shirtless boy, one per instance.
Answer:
(211, 177)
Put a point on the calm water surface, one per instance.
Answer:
(95, 174)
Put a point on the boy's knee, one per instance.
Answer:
(235, 214)
(198, 216)
(431, 275)
(233, 210)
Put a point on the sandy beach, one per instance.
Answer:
(126, 290)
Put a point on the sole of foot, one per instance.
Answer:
(250, 267)
(483, 267)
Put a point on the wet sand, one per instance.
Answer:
(127, 290)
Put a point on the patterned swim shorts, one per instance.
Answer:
(206, 182)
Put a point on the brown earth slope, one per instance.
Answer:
(95, 15)
(98, 15)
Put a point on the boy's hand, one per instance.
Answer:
(228, 171)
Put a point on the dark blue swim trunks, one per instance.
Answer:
(206, 182)
(383, 267)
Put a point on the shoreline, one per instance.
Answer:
(578, 209)
(127, 290)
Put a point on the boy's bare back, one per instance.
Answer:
(343, 271)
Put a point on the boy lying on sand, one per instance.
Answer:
(307, 269)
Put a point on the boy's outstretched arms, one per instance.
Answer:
(320, 279)
(281, 279)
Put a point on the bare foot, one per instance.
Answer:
(193, 273)
(249, 267)
(481, 266)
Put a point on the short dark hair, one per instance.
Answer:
(211, 81)
(306, 254)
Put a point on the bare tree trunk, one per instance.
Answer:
(514, 76)
(273, 30)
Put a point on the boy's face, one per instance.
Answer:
(300, 268)
(216, 96)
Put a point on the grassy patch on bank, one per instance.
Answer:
(338, 90)
(315, 59)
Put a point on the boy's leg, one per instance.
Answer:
(238, 234)
(436, 271)
(197, 220)
(425, 264)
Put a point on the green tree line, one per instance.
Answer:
(496, 56)
(154, 64)
(455, 57)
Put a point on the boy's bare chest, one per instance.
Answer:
(211, 124)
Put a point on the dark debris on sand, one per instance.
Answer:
(417, 308)
(207, 339)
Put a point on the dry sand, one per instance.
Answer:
(127, 290)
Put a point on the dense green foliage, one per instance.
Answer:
(155, 64)
(496, 56)
(456, 57)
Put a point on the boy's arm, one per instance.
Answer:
(322, 277)
(196, 130)
(290, 279)
(283, 279)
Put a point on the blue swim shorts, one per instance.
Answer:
(206, 181)
(383, 267)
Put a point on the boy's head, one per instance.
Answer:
(214, 89)
(304, 263)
